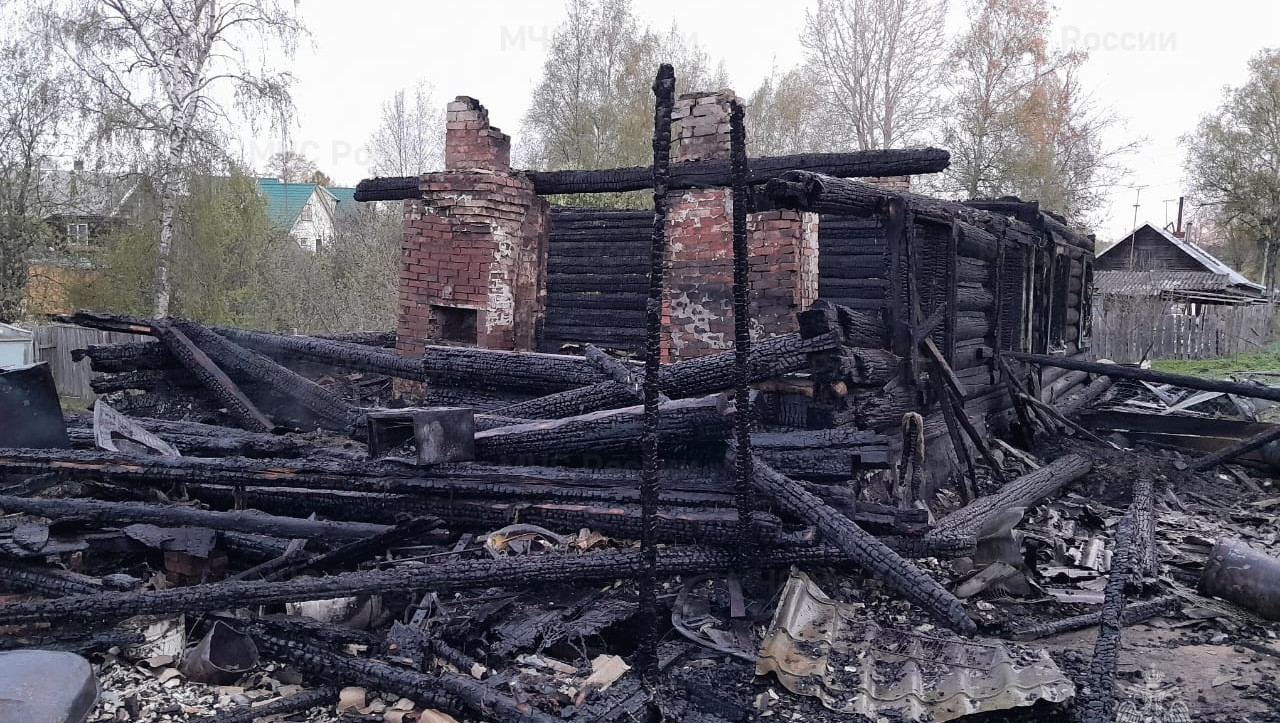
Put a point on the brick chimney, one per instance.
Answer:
(473, 257)
(698, 310)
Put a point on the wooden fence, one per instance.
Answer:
(1128, 329)
(54, 344)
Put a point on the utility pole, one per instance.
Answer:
(1133, 241)
(1181, 200)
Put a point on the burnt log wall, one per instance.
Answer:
(597, 270)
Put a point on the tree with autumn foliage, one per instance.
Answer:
(1020, 122)
(1233, 165)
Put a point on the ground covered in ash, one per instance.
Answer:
(1212, 660)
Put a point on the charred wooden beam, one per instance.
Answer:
(703, 375)
(453, 692)
(1227, 454)
(116, 513)
(298, 702)
(616, 370)
(1073, 403)
(1133, 614)
(1097, 701)
(1144, 530)
(684, 422)
(332, 413)
(356, 357)
(132, 356)
(213, 378)
(1116, 371)
(47, 581)
(1021, 492)
(807, 191)
(445, 577)
(834, 454)
(358, 551)
(695, 174)
(866, 551)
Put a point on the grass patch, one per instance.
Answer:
(73, 404)
(1263, 360)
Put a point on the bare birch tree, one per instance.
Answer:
(33, 106)
(997, 59)
(409, 139)
(171, 77)
(879, 65)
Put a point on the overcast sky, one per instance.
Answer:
(1158, 64)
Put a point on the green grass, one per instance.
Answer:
(73, 404)
(1263, 360)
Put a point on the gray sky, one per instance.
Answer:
(1158, 65)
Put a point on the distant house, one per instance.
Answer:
(307, 211)
(83, 206)
(1155, 262)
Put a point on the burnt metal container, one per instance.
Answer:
(1240, 574)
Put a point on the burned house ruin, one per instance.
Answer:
(488, 261)
(606, 449)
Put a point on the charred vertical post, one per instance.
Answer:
(1097, 701)
(664, 86)
(744, 492)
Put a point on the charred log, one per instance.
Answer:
(1024, 491)
(115, 513)
(333, 413)
(769, 358)
(866, 551)
(694, 174)
(213, 378)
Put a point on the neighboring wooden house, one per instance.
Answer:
(1154, 262)
(81, 208)
(307, 211)
(1159, 296)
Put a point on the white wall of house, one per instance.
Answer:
(314, 226)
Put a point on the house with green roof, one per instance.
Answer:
(307, 211)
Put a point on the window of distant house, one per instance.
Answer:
(306, 212)
(78, 233)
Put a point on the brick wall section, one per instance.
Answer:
(701, 125)
(784, 247)
(476, 240)
(892, 183)
(784, 268)
(470, 142)
(699, 284)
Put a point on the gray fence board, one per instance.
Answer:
(1129, 329)
(54, 344)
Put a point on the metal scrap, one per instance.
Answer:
(819, 647)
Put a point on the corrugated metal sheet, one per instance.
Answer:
(833, 651)
(1154, 283)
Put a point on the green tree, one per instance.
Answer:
(222, 237)
(593, 107)
(1233, 164)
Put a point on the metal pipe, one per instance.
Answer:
(1240, 574)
